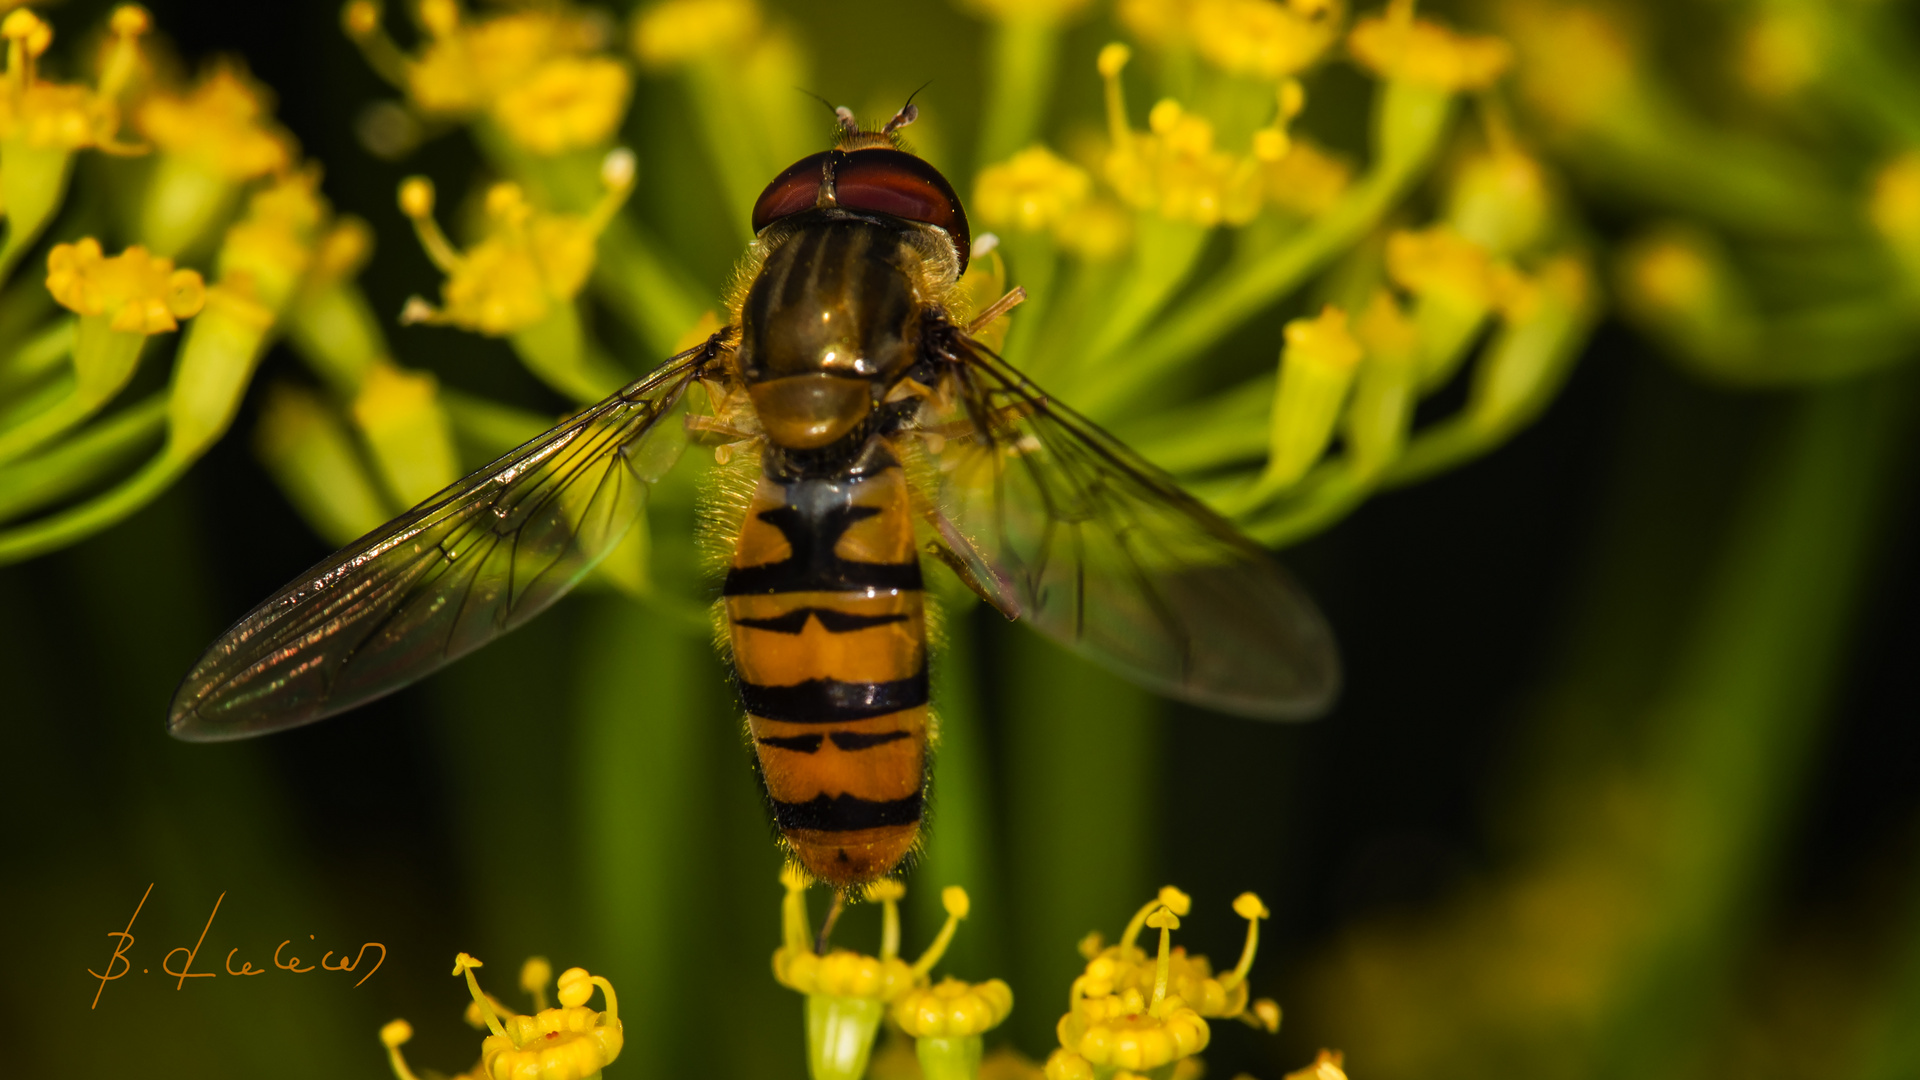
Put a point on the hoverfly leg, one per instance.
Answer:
(962, 571)
(1013, 299)
(833, 916)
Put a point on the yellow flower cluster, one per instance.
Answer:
(1265, 39)
(1136, 1013)
(1174, 168)
(68, 116)
(136, 292)
(529, 262)
(680, 31)
(1398, 46)
(539, 72)
(570, 1042)
(223, 124)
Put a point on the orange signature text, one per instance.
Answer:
(179, 961)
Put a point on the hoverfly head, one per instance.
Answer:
(870, 171)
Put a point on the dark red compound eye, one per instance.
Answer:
(879, 180)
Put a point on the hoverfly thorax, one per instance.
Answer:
(855, 242)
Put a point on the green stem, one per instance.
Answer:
(1081, 776)
(1414, 121)
(78, 462)
(961, 826)
(1022, 57)
(109, 509)
(1733, 727)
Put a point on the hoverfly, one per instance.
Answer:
(883, 431)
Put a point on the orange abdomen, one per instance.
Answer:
(828, 623)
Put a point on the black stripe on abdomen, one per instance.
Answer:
(846, 813)
(832, 620)
(829, 701)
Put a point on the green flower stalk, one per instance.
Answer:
(848, 994)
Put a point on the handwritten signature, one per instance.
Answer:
(290, 963)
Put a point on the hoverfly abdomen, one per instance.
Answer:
(828, 627)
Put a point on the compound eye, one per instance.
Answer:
(796, 189)
(895, 182)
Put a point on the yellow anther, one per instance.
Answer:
(952, 1008)
(395, 1032)
(576, 986)
(885, 890)
(416, 196)
(463, 964)
(1327, 1066)
(1174, 900)
(535, 974)
(954, 899)
(1248, 907)
(1090, 946)
(360, 18)
(1424, 51)
(130, 20)
(1033, 190)
(137, 292)
(679, 31)
(392, 1035)
(1266, 1015)
(221, 125)
(1163, 919)
(1113, 57)
(1262, 38)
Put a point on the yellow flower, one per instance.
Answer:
(221, 125)
(1125, 1028)
(136, 292)
(67, 116)
(848, 993)
(1440, 261)
(533, 70)
(678, 31)
(1327, 1066)
(1173, 168)
(1262, 38)
(570, 1042)
(1578, 62)
(1033, 190)
(275, 242)
(528, 263)
(953, 1008)
(568, 103)
(1398, 46)
(1306, 180)
(1123, 967)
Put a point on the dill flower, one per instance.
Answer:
(848, 993)
(567, 1042)
(536, 73)
(520, 280)
(210, 139)
(1396, 45)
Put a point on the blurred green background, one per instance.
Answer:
(1623, 782)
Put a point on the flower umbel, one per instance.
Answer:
(568, 1042)
(848, 993)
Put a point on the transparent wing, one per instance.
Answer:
(467, 565)
(1062, 526)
